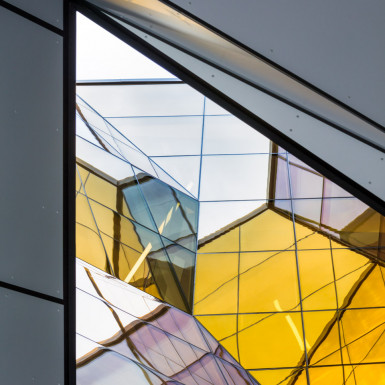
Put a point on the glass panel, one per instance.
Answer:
(108, 165)
(166, 178)
(218, 218)
(362, 335)
(143, 100)
(157, 136)
(332, 375)
(166, 280)
(216, 293)
(235, 374)
(212, 108)
(317, 280)
(308, 211)
(308, 237)
(279, 334)
(234, 177)
(137, 206)
(89, 246)
(279, 181)
(184, 169)
(322, 335)
(269, 230)
(111, 368)
(279, 376)
(223, 328)
(365, 374)
(305, 184)
(184, 326)
(277, 293)
(183, 262)
(371, 290)
(174, 213)
(229, 135)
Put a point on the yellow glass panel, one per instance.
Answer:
(220, 326)
(79, 186)
(129, 236)
(371, 292)
(317, 281)
(270, 340)
(83, 176)
(153, 290)
(83, 213)
(230, 344)
(366, 375)
(101, 191)
(321, 331)
(364, 231)
(90, 249)
(330, 375)
(104, 218)
(122, 257)
(346, 261)
(229, 241)
(362, 333)
(89, 246)
(272, 279)
(275, 376)
(267, 231)
(216, 283)
(224, 329)
(349, 375)
(310, 239)
(116, 226)
(350, 267)
(141, 278)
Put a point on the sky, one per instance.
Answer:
(102, 56)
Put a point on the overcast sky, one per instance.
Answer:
(100, 55)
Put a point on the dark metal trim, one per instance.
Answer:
(273, 64)
(69, 188)
(232, 106)
(30, 17)
(30, 292)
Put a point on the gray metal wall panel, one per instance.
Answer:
(31, 340)
(31, 172)
(335, 45)
(50, 11)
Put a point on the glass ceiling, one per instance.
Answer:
(180, 199)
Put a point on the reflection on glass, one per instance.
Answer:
(119, 228)
(164, 345)
(283, 267)
(174, 213)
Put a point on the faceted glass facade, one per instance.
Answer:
(127, 336)
(178, 198)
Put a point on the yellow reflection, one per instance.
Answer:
(164, 223)
(274, 376)
(282, 283)
(138, 263)
(293, 327)
(216, 283)
(279, 347)
(330, 375)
